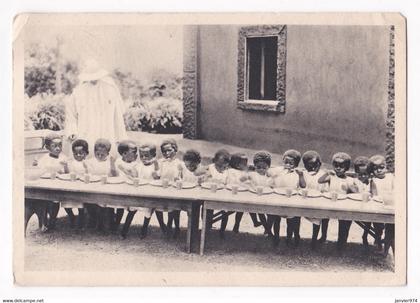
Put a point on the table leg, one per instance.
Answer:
(203, 230)
(195, 220)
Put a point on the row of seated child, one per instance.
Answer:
(370, 176)
(105, 216)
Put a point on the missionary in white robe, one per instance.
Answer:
(95, 109)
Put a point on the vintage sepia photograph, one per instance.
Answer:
(209, 149)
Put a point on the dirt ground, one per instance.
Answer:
(69, 249)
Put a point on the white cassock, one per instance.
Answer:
(95, 111)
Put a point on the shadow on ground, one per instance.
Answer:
(89, 250)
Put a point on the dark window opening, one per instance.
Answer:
(262, 68)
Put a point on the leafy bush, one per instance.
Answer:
(165, 84)
(155, 106)
(159, 83)
(44, 111)
(41, 71)
(161, 115)
(130, 87)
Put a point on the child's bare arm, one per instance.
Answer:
(271, 183)
(373, 188)
(206, 175)
(302, 182)
(113, 171)
(180, 175)
(200, 171)
(325, 178)
(134, 173)
(155, 174)
(352, 188)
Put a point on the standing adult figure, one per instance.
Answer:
(95, 108)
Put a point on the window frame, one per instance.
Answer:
(278, 105)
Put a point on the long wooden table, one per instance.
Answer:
(124, 195)
(190, 201)
(296, 205)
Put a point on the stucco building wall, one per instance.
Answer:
(336, 91)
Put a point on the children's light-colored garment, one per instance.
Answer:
(234, 176)
(128, 166)
(217, 176)
(311, 180)
(144, 172)
(384, 186)
(340, 185)
(169, 168)
(96, 111)
(260, 180)
(362, 187)
(189, 176)
(77, 168)
(286, 178)
(99, 168)
(52, 165)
